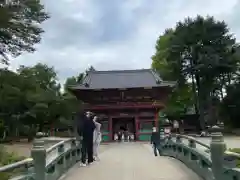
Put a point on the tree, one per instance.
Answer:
(181, 98)
(20, 26)
(11, 97)
(71, 103)
(44, 102)
(31, 100)
(91, 69)
(200, 50)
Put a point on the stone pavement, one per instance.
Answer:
(131, 161)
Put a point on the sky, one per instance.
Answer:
(114, 34)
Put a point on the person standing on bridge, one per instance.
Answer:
(156, 142)
(97, 137)
(86, 129)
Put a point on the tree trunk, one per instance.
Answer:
(222, 86)
(200, 103)
(194, 90)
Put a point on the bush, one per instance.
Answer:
(236, 150)
(5, 159)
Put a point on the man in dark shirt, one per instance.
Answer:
(156, 142)
(86, 130)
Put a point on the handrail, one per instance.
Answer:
(192, 138)
(15, 165)
(48, 150)
(51, 159)
(46, 162)
(219, 163)
(232, 154)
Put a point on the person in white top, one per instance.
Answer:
(115, 137)
(97, 138)
(176, 126)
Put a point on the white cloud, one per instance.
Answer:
(115, 34)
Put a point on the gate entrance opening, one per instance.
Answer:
(126, 125)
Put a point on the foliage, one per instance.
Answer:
(199, 51)
(181, 97)
(236, 150)
(230, 106)
(180, 100)
(20, 26)
(31, 100)
(5, 159)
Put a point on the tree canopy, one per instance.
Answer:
(20, 26)
(200, 54)
(31, 99)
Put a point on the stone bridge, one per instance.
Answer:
(184, 158)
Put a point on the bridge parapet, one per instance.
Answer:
(46, 163)
(211, 162)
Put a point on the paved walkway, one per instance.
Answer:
(132, 161)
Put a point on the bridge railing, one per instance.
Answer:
(211, 162)
(46, 163)
(20, 170)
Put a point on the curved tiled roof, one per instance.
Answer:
(117, 79)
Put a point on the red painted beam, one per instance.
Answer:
(123, 106)
(141, 133)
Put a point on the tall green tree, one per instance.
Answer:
(181, 99)
(20, 26)
(31, 100)
(200, 50)
(45, 101)
(71, 102)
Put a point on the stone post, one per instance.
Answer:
(79, 147)
(178, 139)
(38, 154)
(162, 135)
(191, 142)
(217, 149)
(74, 146)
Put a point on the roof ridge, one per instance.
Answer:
(86, 79)
(156, 76)
(119, 71)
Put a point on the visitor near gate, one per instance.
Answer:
(115, 137)
(167, 131)
(176, 126)
(119, 136)
(97, 137)
(156, 142)
(86, 130)
(122, 138)
(132, 137)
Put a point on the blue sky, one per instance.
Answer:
(115, 34)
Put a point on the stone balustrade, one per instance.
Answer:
(212, 162)
(46, 163)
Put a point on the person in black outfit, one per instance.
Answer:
(86, 130)
(156, 142)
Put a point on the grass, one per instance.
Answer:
(5, 159)
(236, 150)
